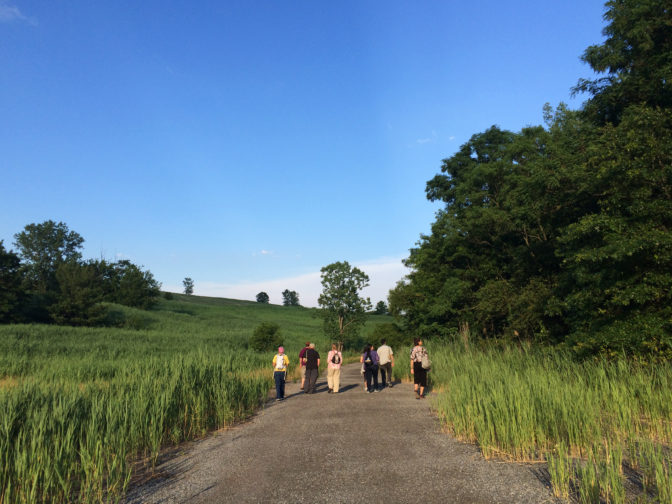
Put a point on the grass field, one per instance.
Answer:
(79, 405)
(605, 428)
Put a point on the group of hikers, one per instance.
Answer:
(374, 361)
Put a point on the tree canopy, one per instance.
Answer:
(43, 247)
(343, 309)
(54, 284)
(562, 233)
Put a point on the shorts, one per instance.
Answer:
(303, 372)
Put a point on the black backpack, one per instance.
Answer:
(335, 359)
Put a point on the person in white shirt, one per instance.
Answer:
(280, 363)
(386, 356)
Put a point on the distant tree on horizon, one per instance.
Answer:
(188, 286)
(262, 297)
(381, 308)
(290, 298)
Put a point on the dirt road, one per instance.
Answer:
(349, 447)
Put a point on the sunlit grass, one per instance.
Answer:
(79, 405)
(586, 419)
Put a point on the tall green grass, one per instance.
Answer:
(586, 419)
(63, 441)
(79, 405)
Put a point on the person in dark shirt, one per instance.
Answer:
(370, 361)
(312, 361)
(302, 364)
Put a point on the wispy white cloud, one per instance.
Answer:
(384, 273)
(266, 252)
(451, 138)
(11, 13)
(428, 139)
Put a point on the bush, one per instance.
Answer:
(266, 337)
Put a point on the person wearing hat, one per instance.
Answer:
(280, 363)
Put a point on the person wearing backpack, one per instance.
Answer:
(334, 360)
(280, 363)
(419, 367)
(370, 360)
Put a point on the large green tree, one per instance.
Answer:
(617, 258)
(343, 308)
(562, 233)
(43, 247)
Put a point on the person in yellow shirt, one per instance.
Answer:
(280, 363)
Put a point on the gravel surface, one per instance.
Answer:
(348, 447)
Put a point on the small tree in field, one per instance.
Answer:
(188, 286)
(381, 308)
(266, 337)
(290, 298)
(343, 310)
(262, 297)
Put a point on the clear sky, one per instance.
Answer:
(247, 144)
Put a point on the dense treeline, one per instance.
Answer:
(561, 233)
(48, 281)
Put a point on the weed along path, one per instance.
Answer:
(349, 447)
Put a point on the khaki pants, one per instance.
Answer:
(334, 378)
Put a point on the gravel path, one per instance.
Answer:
(349, 447)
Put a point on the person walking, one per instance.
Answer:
(386, 356)
(419, 373)
(363, 373)
(312, 362)
(302, 365)
(370, 360)
(280, 363)
(334, 360)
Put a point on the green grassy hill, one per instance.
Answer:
(78, 405)
(183, 325)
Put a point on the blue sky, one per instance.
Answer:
(248, 144)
